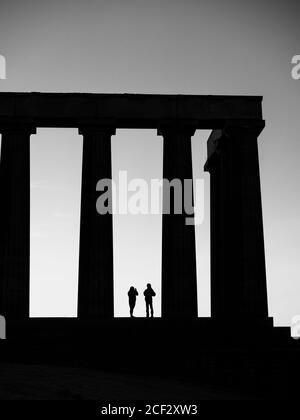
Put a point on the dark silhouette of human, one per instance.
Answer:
(149, 293)
(132, 294)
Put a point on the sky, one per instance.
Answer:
(170, 47)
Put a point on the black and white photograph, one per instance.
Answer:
(149, 203)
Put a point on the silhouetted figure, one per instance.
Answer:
(133, 293)
(149, 293)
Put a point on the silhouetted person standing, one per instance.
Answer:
(149, 293)
(132, 294)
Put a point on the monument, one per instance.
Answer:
(214, 350)
(237, 247)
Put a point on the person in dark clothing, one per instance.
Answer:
(149, 293)
(132, 294)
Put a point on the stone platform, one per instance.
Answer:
(261, 360)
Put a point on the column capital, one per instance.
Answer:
(237, 130)
(102, 129)
(170, 127)
(246, 128)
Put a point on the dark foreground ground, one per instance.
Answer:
(41, 382)
(124, 359)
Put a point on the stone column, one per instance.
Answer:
(15, 221)
(95, 294)
(179, 278)
(238, 274)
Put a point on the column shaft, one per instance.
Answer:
(15, 222)
(179, 279)
(95, 294)
(238, 273)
